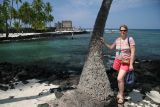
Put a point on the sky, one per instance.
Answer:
(137, 14)
(140, 14)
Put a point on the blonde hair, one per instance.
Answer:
(125, 26)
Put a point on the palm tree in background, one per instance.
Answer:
(11, 13)
(39, 15)
(48, 10)
(13, 10)
(18, 1)
(37, 5)
(19, 19)
(25, 13)
(2, 22)
(17, 26)
(14, 14)
(6, 14)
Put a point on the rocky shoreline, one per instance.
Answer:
(67, 77)
(53, 72)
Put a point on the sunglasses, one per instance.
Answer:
(123, 30)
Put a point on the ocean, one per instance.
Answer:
(64, 49)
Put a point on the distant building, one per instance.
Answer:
(65, 25)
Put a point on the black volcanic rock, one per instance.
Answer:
(60, 73)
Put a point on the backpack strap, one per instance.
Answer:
(128, 41)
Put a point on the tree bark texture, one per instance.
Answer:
(94, 88)
(77, 98)
(7, 32)
(94, 80)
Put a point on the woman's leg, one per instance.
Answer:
(120, 80)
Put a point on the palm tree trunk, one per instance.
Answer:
(94, 79)
(94, 88)
(7, 32)
(11, 17)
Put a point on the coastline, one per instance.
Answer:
(56, 81)
(34, 36)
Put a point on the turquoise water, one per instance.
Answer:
(67, 50)
(60, 49)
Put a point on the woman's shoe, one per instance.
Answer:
(120, 99)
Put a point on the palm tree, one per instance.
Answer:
(38, 5)
(5, 13)
(14, 14)
(18, 1)
(48, 10)
(38, 22)
(11, 14)
(94, 88)
(25, 13)
(50, 19)
(2, 21)
(17, 26)
(93, 78)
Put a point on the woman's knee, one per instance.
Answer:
(121, 76)
(120, 79)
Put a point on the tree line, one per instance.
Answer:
(15, 14)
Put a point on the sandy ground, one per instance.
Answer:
(25, 34)
(27, 95)
(34, 93)
(18, 34)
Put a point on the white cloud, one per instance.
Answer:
(119, 5)
(85, 2)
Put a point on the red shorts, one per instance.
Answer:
(117, 65)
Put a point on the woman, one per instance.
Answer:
(124, 59)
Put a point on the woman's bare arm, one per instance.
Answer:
(132, 58)
(112, 46)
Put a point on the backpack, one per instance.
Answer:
(130, 78)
